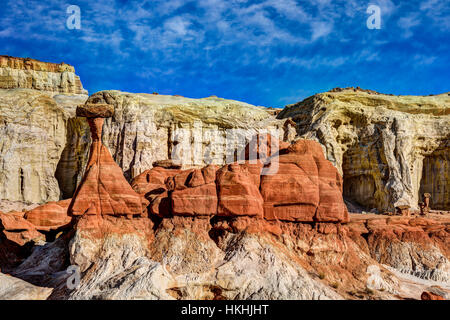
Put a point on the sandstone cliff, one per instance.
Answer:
(37, 99)
(32, 74)
(33, 135)
(389, 149)
(45, 148)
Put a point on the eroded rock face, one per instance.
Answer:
(237, 254)
(235, 258)
(37, 99)
(306, 187)
(32, 74)
(238, 190)
(149, 128)
(103, 190)
(16, 289)
(51, 145)
(412, 245)
(193, 192)
(50, 216)
(185, 263)
(298, 185)
(389, 149)
(33, 138)
(17, 229)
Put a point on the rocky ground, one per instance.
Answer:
(185, 258)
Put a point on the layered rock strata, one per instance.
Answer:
(389, 149)
(191, 249)
(147, 128)
(103, 190)
(303, 187)
(32, 74)
(37, 100)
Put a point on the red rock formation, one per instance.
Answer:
(50, 216)
(103, 190)
(383, 236)
(194, 192)
(430, 296)
(18, 230)
(306, 187)
(153, 181)
(238, 190)
(152, 184)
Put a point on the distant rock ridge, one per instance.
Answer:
(33, 74)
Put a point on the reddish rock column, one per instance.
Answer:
(103, 190)
(426, 201)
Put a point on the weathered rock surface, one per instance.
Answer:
(184, 263)
(27, 73)
(301, 186)
(389, 149)
(16, 289)
(33, 137)
(17, 229)
(51, 145)
(239, 254)
(50, 216)
(147, 128)
(37, 99)
(194, 192)
(185, 258)
(103, 190)
(306, 187)
(412, 245)
(238, 190)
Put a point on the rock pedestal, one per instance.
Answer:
(103, 190)
(426, 201)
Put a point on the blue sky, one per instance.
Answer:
(268, 52)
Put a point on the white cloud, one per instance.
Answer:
(320, 29)
(177, 25)
(408, 23)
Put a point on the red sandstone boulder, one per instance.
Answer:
(292, 193)
(153, 181)
(152, 184)
(430, 296)
(194, 192)
(331, 205)
(16, 229)
(50, 216)
(238, 190)
(306, 187)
